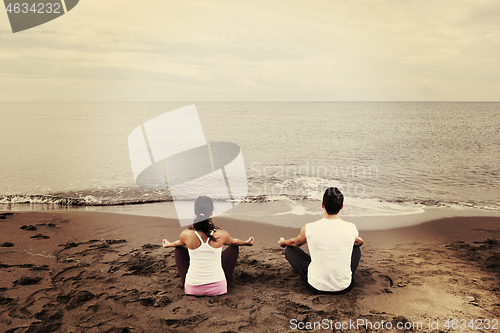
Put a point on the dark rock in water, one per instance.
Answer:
(7, 244)
(25, 281)
(28, 227)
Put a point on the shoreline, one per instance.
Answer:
(105, 272)
(273, 213)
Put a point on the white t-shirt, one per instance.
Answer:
(330, 244)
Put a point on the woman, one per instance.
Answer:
(204, 268)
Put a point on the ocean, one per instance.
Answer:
(388, 158)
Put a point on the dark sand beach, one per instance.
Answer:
(103, 272)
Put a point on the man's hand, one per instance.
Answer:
(358, 242)
(166, 243)
(296, 241)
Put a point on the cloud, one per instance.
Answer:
(259, 50)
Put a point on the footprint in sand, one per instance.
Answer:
(27, 281)
(40, 236)
(28, 227)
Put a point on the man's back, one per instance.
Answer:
(330, 243)
(334, 247)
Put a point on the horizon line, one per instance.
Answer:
(264, 101)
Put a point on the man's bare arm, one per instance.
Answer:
(295, 242)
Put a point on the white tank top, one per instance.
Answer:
(205, 265)
(330, 243)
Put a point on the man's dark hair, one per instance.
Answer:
(333, 200)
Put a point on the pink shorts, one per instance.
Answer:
(209, 289)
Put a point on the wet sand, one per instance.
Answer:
(102, 272)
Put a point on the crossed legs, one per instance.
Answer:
(297, 258)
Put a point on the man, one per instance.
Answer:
(334, 247)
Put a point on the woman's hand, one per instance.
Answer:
(178, 243)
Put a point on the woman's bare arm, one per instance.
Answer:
(178, 243)
(228, 240)
(237, 242)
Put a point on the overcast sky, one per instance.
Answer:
(324, 50)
